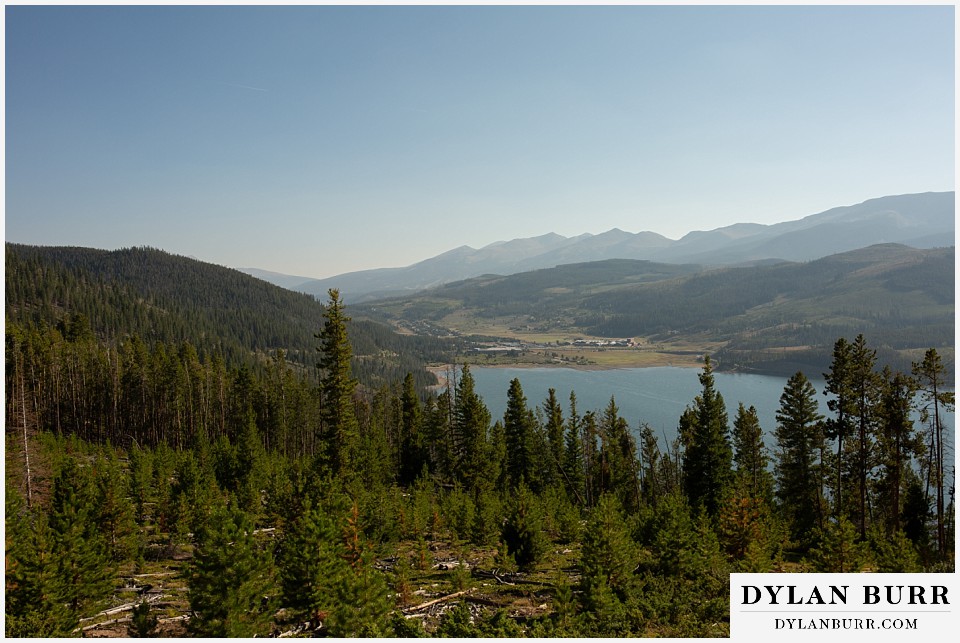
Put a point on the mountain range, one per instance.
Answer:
(923, 220)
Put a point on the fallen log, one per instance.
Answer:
(503, 579)
(126, 607)
(154, 575)
(442, 599)
(123, 619)
(182, 617)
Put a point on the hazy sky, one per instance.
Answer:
(319, 140)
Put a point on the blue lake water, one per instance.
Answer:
(656, 396)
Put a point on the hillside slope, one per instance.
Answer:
(164, 297)
(902, 298)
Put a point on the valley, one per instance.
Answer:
(775, 318)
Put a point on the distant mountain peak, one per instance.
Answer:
(919, 220)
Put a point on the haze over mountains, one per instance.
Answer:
(924, 220)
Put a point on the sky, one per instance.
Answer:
(318, 140)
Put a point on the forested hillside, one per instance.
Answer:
(155, 296)
(791, 313)
(157, 484)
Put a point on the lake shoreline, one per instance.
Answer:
(441, 372)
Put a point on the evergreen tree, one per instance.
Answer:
(609, 555)
(230, 579)
(496, 471)
(897, 444)
(707, 461)
(592, 465)
(141, 489)
(36, 592)
(865, 384)
(362, 604)
(519, 426)
(115, 513)
(916, 513)
(471, 423)
(339, 429)
(142, 622)
(837, 549)
(81, 550)
(438, 436)
(742, 527)
(412, 454)
(310, 561)
(839, 385)
(554, 429)
(799, 443)
(750, 454)
(33, 590)
(931, 375)
(619, 456)
(651, 485)
(573, 465)
(895, 553)
(251, 466)
(522, 531)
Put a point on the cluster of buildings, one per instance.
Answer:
(604, 343)
(517, 346)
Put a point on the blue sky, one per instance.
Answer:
(320, 140)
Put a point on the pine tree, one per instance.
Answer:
(619, 456)
(930, 374)
(339, 429)
(916, 513)
(839, 385)
(650, 484)
(837, 549)
(592, 466)
(609, 555)
(471, 423)
(230, 579)
(707, 461)
(496, 470)
(894, 553)
(554, 429)
(750, 454)
(519, 426)
(412, 453)
(141, 489)
(310, 560)
(36, 593)
(326, 571)
(865, 384)
(251, 466)
(81, 550)
(897, 444)
(438, 436)
(573, 465)
(799, 443)
(142, 622)
(522, 531)
(362, 602)
(115, 513)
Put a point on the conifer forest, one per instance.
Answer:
(175, 472)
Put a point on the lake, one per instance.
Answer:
(656, 396)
